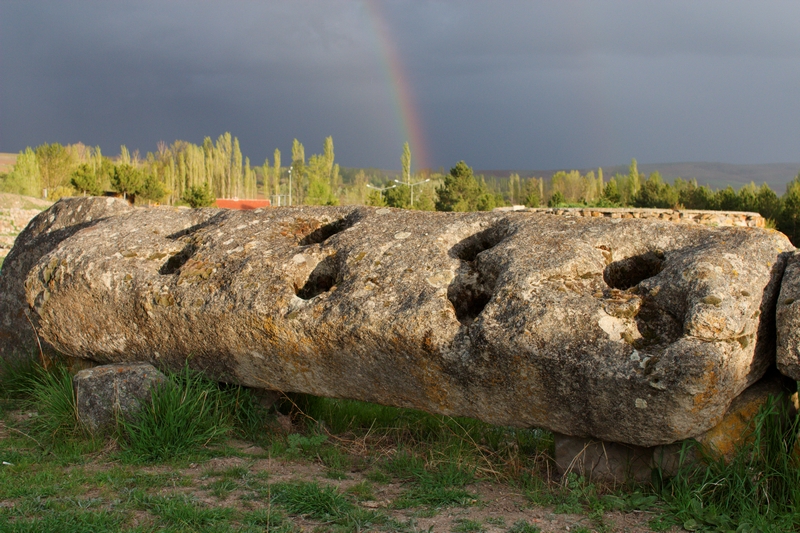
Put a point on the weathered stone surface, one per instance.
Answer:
(788, 319)
(44, 232)
(632, 331)
(106, 392)
(736, 427)
(614, 462)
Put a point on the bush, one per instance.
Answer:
(198, 196)
(556, 200)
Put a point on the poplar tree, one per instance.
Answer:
(223, 160)
(298, 153)
(247, 185)
(633, 184)
(55, 165)
(336, 180)
(236, 170)
(266, 178)
(359, 188)
(299, 176)
(331, 169)
(327, 154)
(124, 155)
(319, 189)
(514, 188)
(276, 171)
(24, 177)
(533, 195)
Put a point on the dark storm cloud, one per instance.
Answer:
(500, 84)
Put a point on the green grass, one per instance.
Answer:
(758, 490)
(179, 510)
(151, 473)
(440, 486)
(312, 500)
(362, 491)
(52, 400)
(126, 478)
(188, 413)
(325, 504)
(61, 520)
(521, 526)
(464, 525)
(18, 376)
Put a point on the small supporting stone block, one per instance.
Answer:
(602, 461)
(107, 391)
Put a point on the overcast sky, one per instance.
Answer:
(501, 85)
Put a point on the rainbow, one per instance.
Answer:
(400, 88)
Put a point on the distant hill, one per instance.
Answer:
(715, 175)
(7, 161)
(16, 201)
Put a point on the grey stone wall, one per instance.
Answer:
(682, 216)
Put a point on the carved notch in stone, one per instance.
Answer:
(627, 273)
(325, 232)
(473, 287)
(175, 262)
(322, 279)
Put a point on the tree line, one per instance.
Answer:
(187, 174)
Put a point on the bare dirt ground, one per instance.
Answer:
(16, 201)
(15, 213)
(497, 506)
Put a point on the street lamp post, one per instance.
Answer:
(411, 186)
(380, 189)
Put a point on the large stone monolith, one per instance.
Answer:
(632, 331)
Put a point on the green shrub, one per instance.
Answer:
(198, 196)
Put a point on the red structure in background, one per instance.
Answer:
(242, 205)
